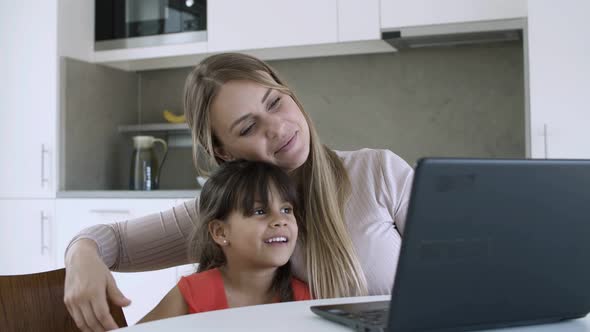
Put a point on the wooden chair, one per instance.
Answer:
(35, 302)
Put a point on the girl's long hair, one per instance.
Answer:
(235, 187)
(332, 265)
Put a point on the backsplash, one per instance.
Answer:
(96, 100)
(462, 101)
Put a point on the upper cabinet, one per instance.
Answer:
(28, 98)
(559, 78)
(255, 24)
(281, 29)
(358, 20)
(399, 13)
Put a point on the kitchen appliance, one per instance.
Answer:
(455, 34)
(145, 167)
(142, 23)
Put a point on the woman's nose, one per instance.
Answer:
(274, 127)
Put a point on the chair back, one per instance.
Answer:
(35, 302)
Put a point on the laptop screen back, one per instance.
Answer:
(492, 243)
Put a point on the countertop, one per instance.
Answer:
(128, 193)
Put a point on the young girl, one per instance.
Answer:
(243, 241)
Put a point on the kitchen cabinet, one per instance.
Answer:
(26, 236)
(399, 13)
(28, 99)
(145, 289)
(267, 29)
(247, 25)
(558, 79)
(281, 29)
(358, 20)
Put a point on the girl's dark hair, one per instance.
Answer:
(235, 186)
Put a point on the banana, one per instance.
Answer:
(173, 118)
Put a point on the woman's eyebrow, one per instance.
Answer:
(242, 118)
(246, 116)
(265, 95)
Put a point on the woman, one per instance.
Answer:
(353, 203)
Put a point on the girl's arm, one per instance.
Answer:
(172, 305)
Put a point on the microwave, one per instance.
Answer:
(142, 23)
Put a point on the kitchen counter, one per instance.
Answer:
(128, 193)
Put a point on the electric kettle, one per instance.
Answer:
(145, 167)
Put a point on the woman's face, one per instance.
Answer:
(259, 124)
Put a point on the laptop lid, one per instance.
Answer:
(487, 244)
(492, 243)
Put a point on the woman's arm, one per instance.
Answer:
(151, 242)
(172, 305)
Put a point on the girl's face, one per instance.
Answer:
(265, 239)
(259, 124)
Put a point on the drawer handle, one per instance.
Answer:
(44, 180)
(43, 245)
(110, 211)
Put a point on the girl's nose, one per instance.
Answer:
(278, 221)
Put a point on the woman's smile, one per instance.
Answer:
(287, 146)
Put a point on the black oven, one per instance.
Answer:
(141, 23)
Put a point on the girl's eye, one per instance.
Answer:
(246, 130)
(258, 212)
(275, 103)
(287, 210)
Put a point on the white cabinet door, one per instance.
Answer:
(401, 13)
(559, 79)
(26, 241)
(28, 98)
(246, 25)
(145, 289)
(358, 20)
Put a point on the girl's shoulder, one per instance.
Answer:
(203, 291)
(300, 290)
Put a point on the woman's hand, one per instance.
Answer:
(88, 285)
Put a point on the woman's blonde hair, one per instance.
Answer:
(333, 267)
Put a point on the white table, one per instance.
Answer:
(296, 316)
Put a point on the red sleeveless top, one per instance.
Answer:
(204, 291)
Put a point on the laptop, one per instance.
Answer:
(488, 243)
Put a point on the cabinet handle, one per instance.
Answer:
(44, 151)
(43, 245)
(109, 211)
(545, 139)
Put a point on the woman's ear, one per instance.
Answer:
(222, 154)
(219, 232)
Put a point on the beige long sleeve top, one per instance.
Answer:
(375, 216)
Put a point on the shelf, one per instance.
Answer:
(177, 128)
(176, 134)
